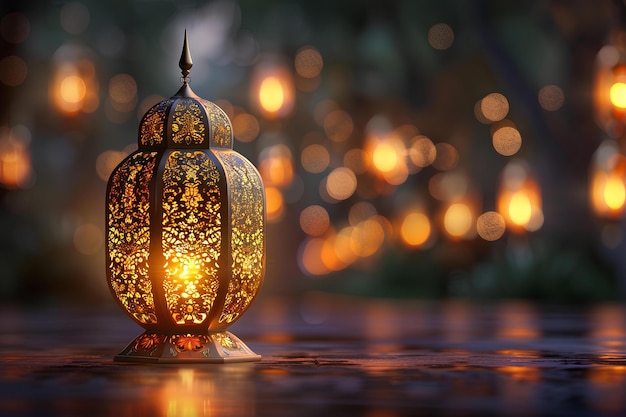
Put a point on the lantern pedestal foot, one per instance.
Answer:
(211, 347)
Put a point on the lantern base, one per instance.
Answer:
(211, 347)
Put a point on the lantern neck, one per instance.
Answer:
(186, 91)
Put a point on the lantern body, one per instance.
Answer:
(185, 227)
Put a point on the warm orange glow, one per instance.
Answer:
(330, 256)
(341, 183)
(15, 162)
(617, 95)
(519, 208)
(276, 167)
(275, 203)
(608, 181)
(271, 94)
(519, 199)
(367, 238)
(342, 246)
(388, 158)
(72, 89)
(272, 88)
(608, 194)
(74, 86)
(311, 260)
(415, 229)
(385, 157)
(614, 192)
(458, 220)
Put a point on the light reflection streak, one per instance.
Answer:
(193, 392)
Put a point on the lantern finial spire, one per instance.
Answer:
(185, 62)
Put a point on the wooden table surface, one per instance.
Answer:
(329, 356)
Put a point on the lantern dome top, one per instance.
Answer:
(185, 120)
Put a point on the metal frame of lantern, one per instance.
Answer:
(185, 228)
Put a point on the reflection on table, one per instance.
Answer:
(330, 355)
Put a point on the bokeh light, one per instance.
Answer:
(74, 85)
(308, 62)
(73, 89)
(272, 89)
(490, 225)
(15, 160)
(271, 94)
(367, 238)
(448, 186)
(506, 139)
(492, 108)
(458, 220)
(551, 97)
(608, 181)
(446, 157)
(360, 212)
(519, 198)
(276, 166)
(422, 151)
(310, 257)
(274, 204)
(415, 229)
(246, 127)
(338, 125)
(356, 160)
(314, 220)
(440, 36)
(341, 183)
(315, 158)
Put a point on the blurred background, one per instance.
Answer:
(411, 149)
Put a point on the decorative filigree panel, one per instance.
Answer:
(187, 123)
(153, 124)
(247, 234)
(221, 131)
(128, 228)
(191, 235)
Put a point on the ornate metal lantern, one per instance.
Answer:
(185, 228)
